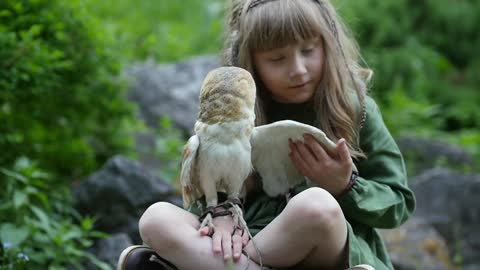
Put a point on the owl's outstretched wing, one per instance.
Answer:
(270, 153)
(191, 190)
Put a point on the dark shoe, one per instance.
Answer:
(142, 258)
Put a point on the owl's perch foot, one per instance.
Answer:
(236, 210)
(206, 219)
(230, 207)
(240, 224)
(208, 222)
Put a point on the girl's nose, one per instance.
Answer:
(298, 67)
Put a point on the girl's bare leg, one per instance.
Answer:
(310, 233)
(173, 233)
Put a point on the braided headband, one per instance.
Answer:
(256, 3)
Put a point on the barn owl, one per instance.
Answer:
(218, 156)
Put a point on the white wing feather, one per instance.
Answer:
(188, 173)
(270, 153)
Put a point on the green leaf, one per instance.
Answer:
(5, 13)
(42, 217)
(97, 262)
(87, 223)
(19, 198)
(14, 175)
(72, 234)
(11, 233)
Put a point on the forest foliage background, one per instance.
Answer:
(63, 110)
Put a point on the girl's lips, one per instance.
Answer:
(299, 85)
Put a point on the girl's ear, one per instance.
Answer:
(366, 74)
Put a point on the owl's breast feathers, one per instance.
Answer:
(220, 153)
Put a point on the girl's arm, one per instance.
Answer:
(380, 197)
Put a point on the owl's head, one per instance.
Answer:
(227, 94)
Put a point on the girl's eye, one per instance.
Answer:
(307, 50)
(277, 58)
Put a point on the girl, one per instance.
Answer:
(306, 68)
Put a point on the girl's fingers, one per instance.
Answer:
(343, 152)
(217, 242)
(245, 238)
(296, 158)
(306, 155)
(205, 231)
(316, 148)
(237, 245)
(227, 246)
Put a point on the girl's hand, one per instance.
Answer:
(223, 242)
(331, 172)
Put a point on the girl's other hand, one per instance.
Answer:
(331, 172)
(225, 239)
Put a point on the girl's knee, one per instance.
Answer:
(154, 221)
(155, 213)
(317, 208)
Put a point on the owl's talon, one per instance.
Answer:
(205, 220)
(238, 228)
(208, 222)
(208, 211)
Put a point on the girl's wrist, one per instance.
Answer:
(349, 186)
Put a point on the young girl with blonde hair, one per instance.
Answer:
(306, 67)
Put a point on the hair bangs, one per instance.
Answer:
(281, 23)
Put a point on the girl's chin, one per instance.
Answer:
(292, 101)
(298, 98)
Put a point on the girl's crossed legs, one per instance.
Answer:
(310, 233)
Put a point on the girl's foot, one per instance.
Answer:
(142, 258)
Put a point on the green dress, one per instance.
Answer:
(379, 199)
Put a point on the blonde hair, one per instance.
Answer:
(256, 25)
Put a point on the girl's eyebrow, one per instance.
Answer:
(311, 40)
(273, 50)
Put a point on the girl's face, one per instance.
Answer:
(292, 73)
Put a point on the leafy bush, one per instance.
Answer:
(168, 147)
(62, 105)
(426, 61)
(40, 223)
(61, 102)
(163, 30)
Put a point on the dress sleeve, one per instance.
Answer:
(380, 197)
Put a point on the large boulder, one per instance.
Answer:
(109, 249)
(450, 201)
(170, 90)
(423, 154)
(119, 193)
(416, 243)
